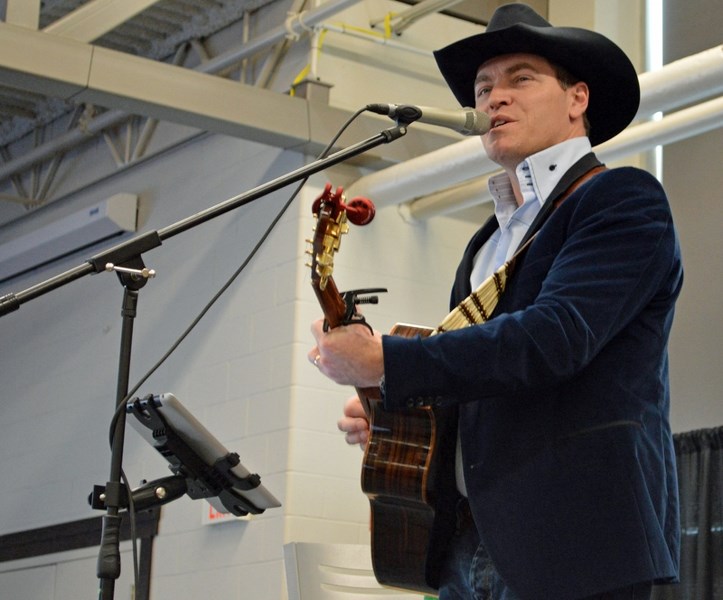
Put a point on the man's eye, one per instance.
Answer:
(482, 91)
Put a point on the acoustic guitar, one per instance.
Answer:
(401, 467)
(402, 471)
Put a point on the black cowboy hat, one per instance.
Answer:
(588, 56)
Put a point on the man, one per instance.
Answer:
(565, 462)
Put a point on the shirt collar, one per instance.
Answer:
(538, 175)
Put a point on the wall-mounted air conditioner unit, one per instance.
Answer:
(107, 219)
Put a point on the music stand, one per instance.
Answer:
(202, 466)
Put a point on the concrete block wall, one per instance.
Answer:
(232, 372)
(242, 372)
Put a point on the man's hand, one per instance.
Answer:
(354, 423)
(348, 355)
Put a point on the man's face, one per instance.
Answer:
(528, 107)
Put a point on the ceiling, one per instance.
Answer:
(155, 32)
(35, 112)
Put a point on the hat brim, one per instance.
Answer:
(587, 55)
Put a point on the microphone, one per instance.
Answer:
(466, 121)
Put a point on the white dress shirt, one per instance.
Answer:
(537, 175)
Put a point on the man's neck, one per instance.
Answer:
(512, 174)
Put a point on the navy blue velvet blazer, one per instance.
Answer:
(563, 395)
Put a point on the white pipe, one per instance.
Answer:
(674, 127)
(422, 9)
(418, 176)
(465, 195)
(683, 81)
(377, 39)
(294, 26)
(678, 126)
(465, 160)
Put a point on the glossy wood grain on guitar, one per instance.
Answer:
(401, 465)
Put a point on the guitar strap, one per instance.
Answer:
(479, 305)
(576, 175)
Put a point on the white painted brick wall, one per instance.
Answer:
(243, 372)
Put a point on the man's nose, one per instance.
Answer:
(498, 96)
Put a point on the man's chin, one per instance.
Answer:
(502, 156)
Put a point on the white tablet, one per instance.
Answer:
(245, 494)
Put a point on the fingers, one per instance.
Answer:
(348, 355)
(314, 356)
(354, 423)
(353, 408)
(360, 437)
(317, 329)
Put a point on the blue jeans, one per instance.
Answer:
(468, 572)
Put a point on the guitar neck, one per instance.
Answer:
(331, 302)
(334, 308)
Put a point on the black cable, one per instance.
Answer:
(120, 409)
(132, 517)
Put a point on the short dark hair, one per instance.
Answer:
(567, 80)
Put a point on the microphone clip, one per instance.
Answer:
(403, 114)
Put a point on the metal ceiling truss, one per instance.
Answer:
(153, 29)
(115, 59)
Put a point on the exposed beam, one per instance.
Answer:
(23, 13)
(84, 73)
(44, 64)
(169, 93)
(134, 85)
(401, 21)
(17, 200)
(93, 20)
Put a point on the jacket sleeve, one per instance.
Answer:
(604, 255)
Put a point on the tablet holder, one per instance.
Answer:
(192, 474)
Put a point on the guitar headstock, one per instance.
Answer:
(331, 224)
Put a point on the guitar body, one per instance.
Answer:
(401, 473)
(407, 449)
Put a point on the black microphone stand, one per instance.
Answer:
(108, 565)
(126, 260)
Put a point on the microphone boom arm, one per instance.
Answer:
(119, 254)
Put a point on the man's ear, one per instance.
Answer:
(579, 99)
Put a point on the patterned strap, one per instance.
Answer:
(479, 305)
